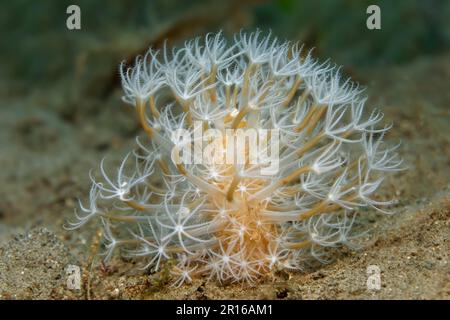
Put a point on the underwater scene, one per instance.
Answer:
(217, 150)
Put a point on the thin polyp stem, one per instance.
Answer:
(305, 121)
(265, 192)
(292, 91)
(153, 109)
(311, 143)
(232, 188)
(294, 175)
(317, 115)
(244, 92)
(298, 245)
(140, 106)
(135, 205)
(197, 181)
(242, 113)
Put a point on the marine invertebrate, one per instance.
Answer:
(183, 198)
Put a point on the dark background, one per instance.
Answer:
(37, 47)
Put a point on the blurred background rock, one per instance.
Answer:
(38, 49)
